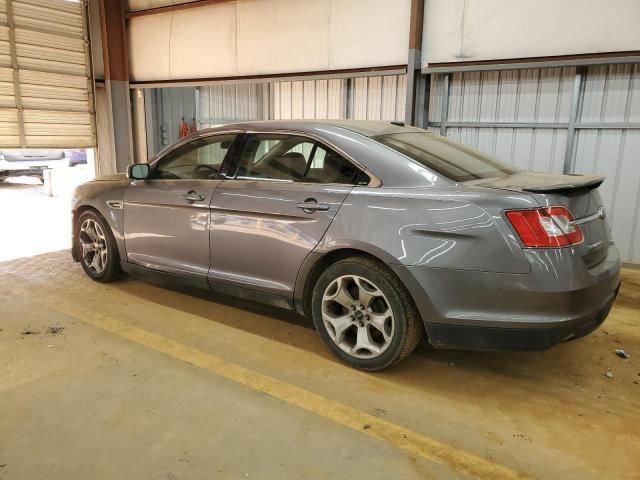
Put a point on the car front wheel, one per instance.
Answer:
(97, 248)
(365, 314)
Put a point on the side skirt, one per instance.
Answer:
(190, 280)
(208, 284)
(252, 295)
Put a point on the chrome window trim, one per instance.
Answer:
(195, 136)
(374, 181)
(259, 179)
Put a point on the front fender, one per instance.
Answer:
(107, 198)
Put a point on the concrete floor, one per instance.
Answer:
(141, 379)
(30, 221)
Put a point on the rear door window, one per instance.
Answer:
(293, 158)
(275, 157)
(329, 167)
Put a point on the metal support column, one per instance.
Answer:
(444, 112)
(414, 59)
(112, 55)
(576, 102)
(139, 125)
(150, 123)
(349, 98)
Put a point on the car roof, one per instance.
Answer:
(368, 128)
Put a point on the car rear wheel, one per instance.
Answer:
(365, 314)
(97, 248)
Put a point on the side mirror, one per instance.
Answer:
(138, 171)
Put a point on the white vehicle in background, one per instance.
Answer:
(32, 162)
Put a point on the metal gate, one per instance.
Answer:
(584, 120)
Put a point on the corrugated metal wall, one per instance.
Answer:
(523, 117)
(168, 106)
(45, 88)
(309, 99)
(611, 99)
(219, 104)
(363, 98)
(378, 98)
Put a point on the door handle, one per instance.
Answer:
(311, 205)
(192, 196)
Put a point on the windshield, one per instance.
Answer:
(451, 159)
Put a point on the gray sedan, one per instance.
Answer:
(378, 232)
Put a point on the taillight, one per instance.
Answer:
(545, 227)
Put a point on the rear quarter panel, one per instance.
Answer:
(437, 227)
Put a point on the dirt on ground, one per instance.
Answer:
(570, 412)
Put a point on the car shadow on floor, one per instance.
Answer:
(573, 364)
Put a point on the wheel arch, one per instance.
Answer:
(87, 207)
(317, 262)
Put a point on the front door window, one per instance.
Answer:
(199, 159)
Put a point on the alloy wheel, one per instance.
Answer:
(94, 246)
(357, 316)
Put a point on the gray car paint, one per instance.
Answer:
(165, 232)
(448, 242)
(259, 234)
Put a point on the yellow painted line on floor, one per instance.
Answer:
(415, 443)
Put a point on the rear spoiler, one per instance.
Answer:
(582, 182)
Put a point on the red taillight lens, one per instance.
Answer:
(545, 227)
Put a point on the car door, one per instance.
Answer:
(166, 217)
(273, 208)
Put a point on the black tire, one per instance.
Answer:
(112, 270)
(408, 325)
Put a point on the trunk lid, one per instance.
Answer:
(578, 193)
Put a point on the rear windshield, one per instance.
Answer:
(450, 159)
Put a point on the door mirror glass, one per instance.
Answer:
(138, 171)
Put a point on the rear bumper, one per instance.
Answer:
(522, 338)
(560, 299)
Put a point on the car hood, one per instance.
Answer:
(540, 182)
